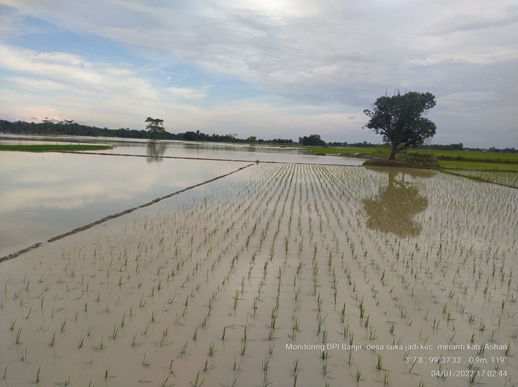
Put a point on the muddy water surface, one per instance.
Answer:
(46, 194)
(277, 275)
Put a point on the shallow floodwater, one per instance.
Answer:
(207, 150)
(281, 275)
(222, 152)
(43, 195)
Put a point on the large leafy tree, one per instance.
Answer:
(400, 120)
(155, 126)
(313, 140)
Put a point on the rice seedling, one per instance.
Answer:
(386, 378)
(379, 363)
(18, 335)
(224, 333)
(212, 349)
(358, 374)
(146, 361)
(184, 348)
(63, 324)
(197, 382)
(115, 332)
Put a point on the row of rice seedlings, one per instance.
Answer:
(508, 178)
(480, 166)
(331, 269)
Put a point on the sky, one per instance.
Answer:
(269, 68)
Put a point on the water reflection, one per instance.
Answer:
(155, 150)
(46, 194)
(214, 150)
(393, 209)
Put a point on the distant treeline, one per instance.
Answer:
(363, 144)
(460, 147)
(71, 128)
(366, 144)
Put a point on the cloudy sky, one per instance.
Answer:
(269, 68)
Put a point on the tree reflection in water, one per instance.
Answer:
(155, 150)
(393, 209)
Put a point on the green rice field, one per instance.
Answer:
(505, 178)
(473, 165)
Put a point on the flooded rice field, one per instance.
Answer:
(504, 178)
(45, 194)
(225, 152)
(282, 275)
(190, 150)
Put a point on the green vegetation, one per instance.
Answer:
(48, 148)
(504, 178)
(313, 140)
(498, 168)
(491, 167)
(479, 166)
(444, 157)
(487, 157)
(339, 151)
(71, 128)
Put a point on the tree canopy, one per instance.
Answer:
(400, 119)
(155, 126)
(313, 140)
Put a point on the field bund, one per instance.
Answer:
(282, 275)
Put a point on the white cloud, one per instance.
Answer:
(123, 92)
(336, 55)
(319, 50)
(476, 96)
(187, 93)
(71, 79)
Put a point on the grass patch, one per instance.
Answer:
(48, 148)
(441, 155)
(479, 166)
(487, 171)
(399, 164)
(487, 157)
(411, 160)
(500, 168)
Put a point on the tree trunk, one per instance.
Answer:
(393, 152)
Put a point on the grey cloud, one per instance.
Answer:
(326, 52)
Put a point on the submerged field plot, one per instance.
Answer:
(282, 275)
(505, 178)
